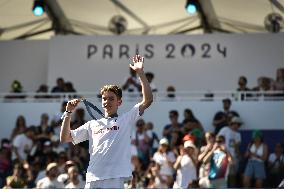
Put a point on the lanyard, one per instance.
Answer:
(89, 105)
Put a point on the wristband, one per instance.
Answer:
(65, 114)
(68, 111)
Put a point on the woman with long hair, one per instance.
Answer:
(20, 126)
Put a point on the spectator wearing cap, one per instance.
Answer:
(186, 166)
(195, 136)
(256, 153)
(50, 180)
(232, 143)
(74, 181)
(219, 159)
(222, 118)
(165, 158)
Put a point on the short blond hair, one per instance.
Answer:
(113, 88)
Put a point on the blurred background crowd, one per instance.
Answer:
(183, 156)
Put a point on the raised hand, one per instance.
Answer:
(71, 105)
(137, 64)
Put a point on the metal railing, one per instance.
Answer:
(158, 96)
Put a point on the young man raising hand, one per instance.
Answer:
(109, 137)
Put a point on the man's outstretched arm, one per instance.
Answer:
(146, 89)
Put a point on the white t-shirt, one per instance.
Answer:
(81, 184)
(272, 159)
(62, 178)
(40, 176)
(158, 183)
(186, 173)
(109, 145)
(161, 159)
(46, 183)
(134, 150)
(258, 151)
(231, 137)
(22, 143)
(131, 86)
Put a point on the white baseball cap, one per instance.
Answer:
(51, 166)
(164, 141)
(189, 144)
(236, 120)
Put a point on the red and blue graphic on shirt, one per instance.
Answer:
(106, 129)
(218, 165)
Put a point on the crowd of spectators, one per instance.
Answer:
(183, 156)
(132, 86)
(60, 87)
(264, 84)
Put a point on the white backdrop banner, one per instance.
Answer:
(195, 62)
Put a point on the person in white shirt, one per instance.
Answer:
(186, 165)
(74, 180)
(50, 180)
(275, 166)
(165, 158)
(109, 137)
(256, 153)
(22, 144)
(233, 141)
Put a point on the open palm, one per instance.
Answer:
(137, 65)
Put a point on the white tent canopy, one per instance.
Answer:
(151, 17)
